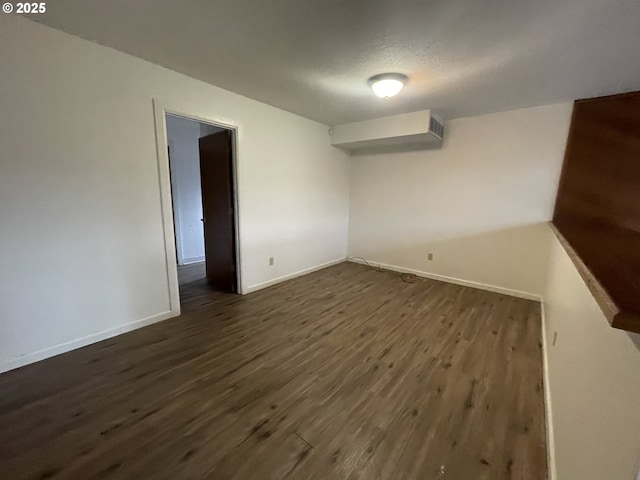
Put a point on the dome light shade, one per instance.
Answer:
(387, 85)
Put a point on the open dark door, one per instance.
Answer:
(216, 177)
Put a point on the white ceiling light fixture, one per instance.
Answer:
(387, 85)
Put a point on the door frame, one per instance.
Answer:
(160, 110)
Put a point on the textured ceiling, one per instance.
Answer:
(313, 57)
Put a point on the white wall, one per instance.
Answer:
(594, 380)
(182, 136)
(82, 252)
(479, 204)
(208, 130)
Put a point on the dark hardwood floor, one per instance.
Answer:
(346, 373)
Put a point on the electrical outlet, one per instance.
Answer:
(270, 261)
(430, 256)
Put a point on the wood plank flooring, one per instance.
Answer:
(346, 373)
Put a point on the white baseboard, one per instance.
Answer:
(551, 445)
(284, 278)
(38, 355)
(188, 261)
(456, 281)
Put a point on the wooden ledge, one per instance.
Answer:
(617, 317)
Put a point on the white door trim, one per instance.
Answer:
(161, 109)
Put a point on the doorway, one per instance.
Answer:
(203, 192)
